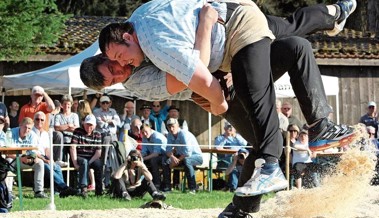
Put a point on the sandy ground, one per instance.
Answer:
(345, 194)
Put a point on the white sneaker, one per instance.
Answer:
(266, 178)
(347, 7)
(61, 163)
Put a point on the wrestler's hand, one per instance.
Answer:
(208, 15)
(219, 109)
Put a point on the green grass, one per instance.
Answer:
(202, 200)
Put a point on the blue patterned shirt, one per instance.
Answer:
(155, 138)
(189, 145)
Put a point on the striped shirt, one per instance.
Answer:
(80, 137)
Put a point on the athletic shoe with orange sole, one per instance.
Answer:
(326, 134)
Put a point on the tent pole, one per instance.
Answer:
(2, 94)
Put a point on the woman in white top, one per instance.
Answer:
(301, 157)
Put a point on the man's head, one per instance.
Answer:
(303, 136)
(173, 126)
(89, 123)
(98, 72)
(66, 103)
(120, 43)
(287, 109)
(371, 107)
(129, 106)
(146, 110)
(105, 102)
(39, 120)
(229, 129)
(37, 94)
(14, 106)
(26, 126)
(156, 106)
(75, 105)
(173, 112)
(146, 130)
(135, 126)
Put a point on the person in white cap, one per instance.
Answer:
(36, 104)
(187, 153)
(371, 117)
(86, 157)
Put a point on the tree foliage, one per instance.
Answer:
(99, 7)
(27, 24)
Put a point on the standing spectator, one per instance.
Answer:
(86, 157)
(107, 123)
(173, 112)
(283, 120)
(302, 160)
(13, 114)
(371, 117)
(235, 168)
(146, 118)
(36, 104)
(160, 115)
(2, 133)
(126, 119)
(4, 113)
(133, 179)
(43, 153)
(66, 122)
(294, 133)
(107, 120)
(153, 154)
(23, 136)
(287, 111)
(230, 139)
(187, 154)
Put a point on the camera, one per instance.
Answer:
(133, 158)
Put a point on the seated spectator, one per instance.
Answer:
(153, 154)
(66, 121)
(302, 160)
(84, 109)
(13, 114)
(57, 136)
(235, 168)
(133, 179)
(374, 141)
(23, 136)
(187, 154)
(87, 157)
(43, 153)
(173, 112)
(135, 132)
(126, 119)
(230, 139)
(4, 113)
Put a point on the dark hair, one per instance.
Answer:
(113, 33)
(90, 74)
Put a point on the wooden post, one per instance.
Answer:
(288, 153)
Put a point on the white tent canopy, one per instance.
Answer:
(61, 78)
(283, 88)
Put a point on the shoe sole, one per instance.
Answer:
(326, 144)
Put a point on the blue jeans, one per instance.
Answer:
(57, 174)
(84, 167)
(233, 180)
(188, 164)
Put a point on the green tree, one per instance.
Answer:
(99, 7)
(27, 24)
